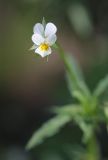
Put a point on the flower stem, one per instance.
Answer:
(67, 66)
(93, 149)
(78, 83)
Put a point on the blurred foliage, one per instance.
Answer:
(88, 114)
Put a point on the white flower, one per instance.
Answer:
(44, 37)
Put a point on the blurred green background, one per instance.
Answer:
(29, 86)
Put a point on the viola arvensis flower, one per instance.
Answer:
(44, 37)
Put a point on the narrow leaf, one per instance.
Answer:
(49, 129)
(86, 128)
(105, 108)
(101, 87)
(71, 110)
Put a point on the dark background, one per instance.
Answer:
(29, 86)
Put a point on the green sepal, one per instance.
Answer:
(33, 47)
(43, 22)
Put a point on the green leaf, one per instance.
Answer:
(86, 128)
(55, 46)
(70, 110)
(101, 87)
(74, 152)
(105, 110)
(80, 96)
(49, 129)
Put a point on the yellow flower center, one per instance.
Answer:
(44, 47)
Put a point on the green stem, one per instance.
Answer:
(93, 149)
(78, 83)
(67, 66)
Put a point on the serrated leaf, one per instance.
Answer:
(49, 129)
(101, 87)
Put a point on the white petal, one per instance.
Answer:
(37, 39)
(51, 39)
(38, 28)
(50, 29)
(43, 53)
